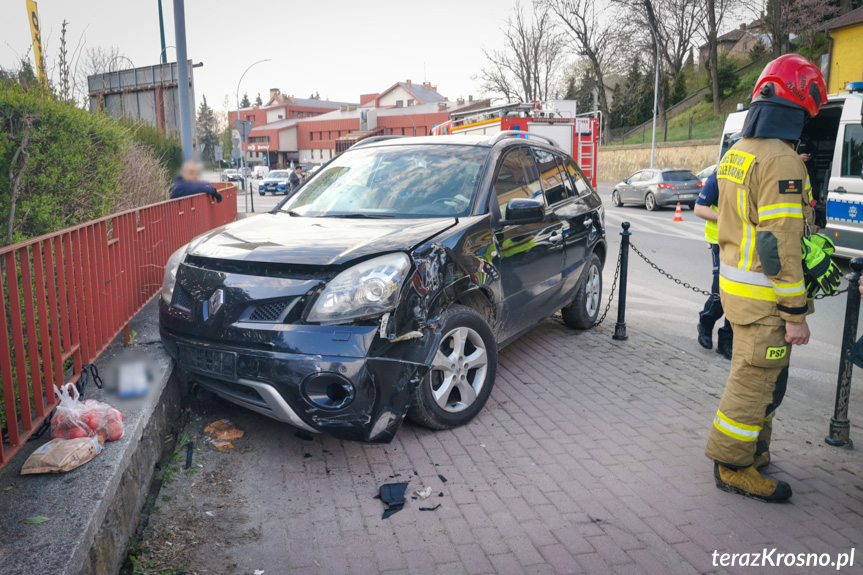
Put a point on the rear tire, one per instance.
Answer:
(650, 202)
(584, 309)
(452, 394)
(615, 199)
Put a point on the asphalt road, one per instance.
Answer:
(670, 312)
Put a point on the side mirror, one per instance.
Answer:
(626, 181)
(524, 211)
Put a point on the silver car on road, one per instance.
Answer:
(656, 187)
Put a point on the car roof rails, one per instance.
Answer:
(372, 139)
(513, 133)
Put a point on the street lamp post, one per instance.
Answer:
(655, 100)
(183, 81)
(242, 142)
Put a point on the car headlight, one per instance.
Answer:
(171, 268)
(368, 289)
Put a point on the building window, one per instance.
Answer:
(299, 114)
(311, 136)
(330, 135)
(400, 103)
(403, 131)
(411, 103)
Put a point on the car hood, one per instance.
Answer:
(281, 238)
(274, 180)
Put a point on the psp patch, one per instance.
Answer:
(790, 186)
(776, 352)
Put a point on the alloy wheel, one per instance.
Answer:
(592, 289)
(650, 202)
(459, 369)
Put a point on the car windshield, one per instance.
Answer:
(679, 176)
(404, 181)
(278, 175)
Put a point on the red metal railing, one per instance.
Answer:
(65, 296)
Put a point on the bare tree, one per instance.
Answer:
(785, 17)
(99, 60)
(715, 11)
(590, 26)
(528, 66)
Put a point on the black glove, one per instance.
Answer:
(217, 195)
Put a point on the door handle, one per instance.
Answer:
(588, 222)
(840, 190)
(555, 237)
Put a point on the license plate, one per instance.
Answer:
(208, 361)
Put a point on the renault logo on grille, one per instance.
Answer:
(214, 304)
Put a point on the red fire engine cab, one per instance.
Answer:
(578, 135)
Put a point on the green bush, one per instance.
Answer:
(167, 149)
(727, 77)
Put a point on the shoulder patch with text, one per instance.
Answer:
(790, 186)
(734, 166)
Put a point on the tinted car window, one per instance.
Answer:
(634, 177)
(517, 177)
(680, 176)
(852, 152)
(582, 188)
(549, 174)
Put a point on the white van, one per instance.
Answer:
(836, 171)
(260, 172)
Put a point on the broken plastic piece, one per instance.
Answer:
(393, 496)
(424, 493)
(442, 478)
(430, 508)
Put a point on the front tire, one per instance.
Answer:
(615, 199)
(584, 309)
(650, 202)
(462, 374)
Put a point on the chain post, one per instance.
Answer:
(620, 326)
(840, 427)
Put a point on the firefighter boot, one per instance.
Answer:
(747, 481)
(761, 460)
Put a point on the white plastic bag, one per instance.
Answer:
(74, 418)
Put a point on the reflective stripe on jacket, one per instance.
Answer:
(711, 229)
(763, 207)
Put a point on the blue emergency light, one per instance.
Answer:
(854, 87)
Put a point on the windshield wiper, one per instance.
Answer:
(294, 214)
(362, 216)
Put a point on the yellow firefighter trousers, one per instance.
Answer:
(756, 385)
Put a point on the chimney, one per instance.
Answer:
(743, 26)
(342, 108)
(434, 88)
(409, 83)
(274, 92)
(460, 101)
(427, 85)
(470, 98)
(441, 106)
(291, 99)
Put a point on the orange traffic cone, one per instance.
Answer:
(678, 215)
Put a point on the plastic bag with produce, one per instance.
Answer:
(74, 418)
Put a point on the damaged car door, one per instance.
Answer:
(530, 244)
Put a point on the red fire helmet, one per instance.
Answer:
(791, 80)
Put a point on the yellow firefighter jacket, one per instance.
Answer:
(764, 210)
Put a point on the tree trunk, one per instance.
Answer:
(603, 99)
(713, 55)
(22, 152)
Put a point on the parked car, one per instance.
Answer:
(260, 171)
(386, 286)
(654, 188)
(232, 176)
(705, 173)
(276, 182)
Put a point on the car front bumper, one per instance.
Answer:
(282, 188)
(279, 372)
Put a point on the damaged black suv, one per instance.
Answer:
(385, 286)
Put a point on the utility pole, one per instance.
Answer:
(183, 81)
(162, 33)
(655, 100)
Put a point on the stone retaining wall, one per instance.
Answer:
(617, 162)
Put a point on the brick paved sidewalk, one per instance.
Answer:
(587, 459)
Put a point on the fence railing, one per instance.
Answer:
(65, 296)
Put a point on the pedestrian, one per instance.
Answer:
(706, 209)
(188, 183)
(764, 216)
(296, 178)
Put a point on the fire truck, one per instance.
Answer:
(557, 120)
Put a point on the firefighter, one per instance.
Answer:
(764, 215)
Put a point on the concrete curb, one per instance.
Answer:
(94, 509)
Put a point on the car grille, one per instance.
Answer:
(269, 312)
(182, 299)
(214, 362)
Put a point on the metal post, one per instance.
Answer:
(655, 104)
(162, 34)
(620, 326)
(690, 128)
(183, 81)
(840, 427)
